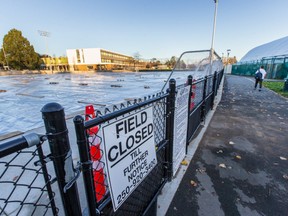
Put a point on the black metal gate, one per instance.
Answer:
(144, 196)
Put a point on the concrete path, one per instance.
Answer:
(241, 164)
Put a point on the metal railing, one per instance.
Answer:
(25, 183)
(97, 190)
(24, 167)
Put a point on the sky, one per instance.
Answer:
(153, 28)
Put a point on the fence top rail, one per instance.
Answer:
(101, 119)
(19, 143)
(203, 78)
(200, 51)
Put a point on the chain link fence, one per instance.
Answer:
(141, 197)
(26, 186)
(29, 188)
(276, 67)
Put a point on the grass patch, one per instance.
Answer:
(276, 87)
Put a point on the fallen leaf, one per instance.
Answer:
(283, 158)
(231, 143)
(201, 170)
(193, 183)
(222, 165)
(184, 162)
(238, 157)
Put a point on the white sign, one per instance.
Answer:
(180, 127)
(130, 154)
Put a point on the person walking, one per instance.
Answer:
(259, 77)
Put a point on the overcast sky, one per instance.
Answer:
(154, 28)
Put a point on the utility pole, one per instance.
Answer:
(46, 34)
(213, 36)
(228, 52)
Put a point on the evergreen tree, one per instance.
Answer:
(171, 63)
(20, 54)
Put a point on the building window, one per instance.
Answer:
(83, 56)
(78, 56)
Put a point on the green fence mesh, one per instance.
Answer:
(276, 67)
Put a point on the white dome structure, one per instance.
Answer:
(273, 56)
(272, 49)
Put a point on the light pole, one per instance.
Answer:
(228, 52)
(46, 34)
(213, 36)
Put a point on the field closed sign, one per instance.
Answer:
(129, 149)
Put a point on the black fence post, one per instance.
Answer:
(220, 77)
(57, 134)
(214, 89)
(170, 127)
(83, 146)
(203, 107)
(189, 82)
(47, 180)
(285, 86)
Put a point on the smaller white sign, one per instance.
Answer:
(180, 127)
(129, 150)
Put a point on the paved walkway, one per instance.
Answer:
(241, 164)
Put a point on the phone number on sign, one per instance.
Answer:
(136, 180)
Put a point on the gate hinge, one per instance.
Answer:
(77, 170)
